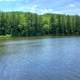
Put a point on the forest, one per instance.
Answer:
(32, 24)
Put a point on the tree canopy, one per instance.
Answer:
(32, 24)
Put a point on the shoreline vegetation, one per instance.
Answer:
(26, 24)
(5, 36)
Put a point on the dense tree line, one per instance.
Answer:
(32, 24)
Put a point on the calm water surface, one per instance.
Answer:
(40, 59)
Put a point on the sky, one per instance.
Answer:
(42, 6)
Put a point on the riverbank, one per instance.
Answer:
(9, 37)
(6, 37)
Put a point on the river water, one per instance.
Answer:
(40, 59)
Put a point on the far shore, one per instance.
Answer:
(6, 37)
(9, 37)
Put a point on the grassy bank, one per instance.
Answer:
(5, 37)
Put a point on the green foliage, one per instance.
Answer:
(31, 24)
